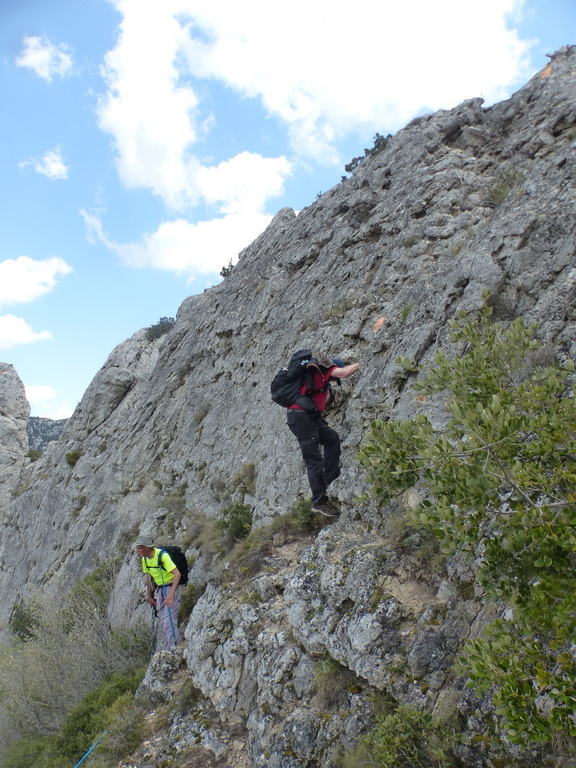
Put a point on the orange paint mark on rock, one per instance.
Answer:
(379, 323)
(546, 72)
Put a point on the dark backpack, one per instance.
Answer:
(285, 386)
(179, 560)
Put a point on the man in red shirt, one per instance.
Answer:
(312, 431)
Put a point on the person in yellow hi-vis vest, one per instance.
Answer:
(162, 586)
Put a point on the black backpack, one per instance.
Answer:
(285, 386)
(179, 560)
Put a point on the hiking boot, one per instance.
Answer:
(325, 509)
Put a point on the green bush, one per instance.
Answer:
(72, 457)
(236, 520)
(35, 752)
(334, 682)
(380, 144)
(160, 328)
(94, 715)
(500, 481)
(407, 738)
(109, 707)
(226, 271)
(34, 455)
(69, 648)
(24, 621)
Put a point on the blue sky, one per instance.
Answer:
(144, 143)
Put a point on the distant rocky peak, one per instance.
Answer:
(42, 431)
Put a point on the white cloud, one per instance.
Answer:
(324, 71)
(153, 113)
(39, 394)
(24, 279)
(150, 114)
(15, 331)
(51, 165)
(318, 69)
(44, 57)
(183, 247)
(45, 402)
(244, 183)
(320, 72)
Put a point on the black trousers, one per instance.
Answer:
(313, 434)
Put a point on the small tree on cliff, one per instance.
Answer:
(500, 481)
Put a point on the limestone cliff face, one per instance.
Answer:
(14, 410)
(460, 201)
(42, 431)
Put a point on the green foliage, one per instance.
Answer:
(70, 646)
(72, 457)
(160, 328)
(34, 752)
(236, 520)
(34, 455)
(227, 270)
(380, 144)
(407, 738)
(306, 520)
(103, 709)
(500, 479)
(405, 312)
(92, 716)
(24, 621)
(249, 555)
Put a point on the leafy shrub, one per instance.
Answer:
(109, 707)
(34, 455)
(34, 752)
(160, 328)
(93, 715)
(24, 621)
(407, 738)
(303, 517)
(236, 520)
(227, 270)
(72, 457)
(380, 144)
(500, 479)
(69, 649)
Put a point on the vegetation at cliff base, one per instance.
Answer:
(499, 482)
(67, 674)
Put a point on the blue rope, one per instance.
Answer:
(91, 748)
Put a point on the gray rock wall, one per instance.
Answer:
(42, 431)
(460, 201)
(14, 410)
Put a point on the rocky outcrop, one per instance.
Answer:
(172, 430)
(42, 431)
(14, 410)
